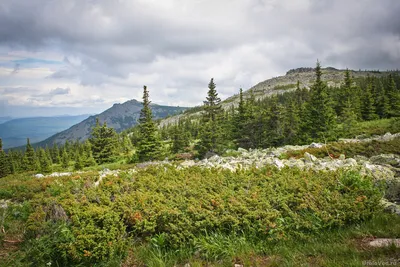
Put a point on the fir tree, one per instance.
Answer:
(180, 139)
(394, 97)
(291, 123)
(240, 133)
(4, 162)
(30, 162)
(148, 145)
(78, 163)
(64, 159)
(103, 142)
(210, 134)
(44, 161)
(321, 116)
(368, 107)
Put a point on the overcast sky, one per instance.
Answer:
(81, 56)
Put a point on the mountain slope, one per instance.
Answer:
(281, 84)
(119, 117)
(14, 132)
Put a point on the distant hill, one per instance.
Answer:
(14, 132)
(119, 117)
(281, 84)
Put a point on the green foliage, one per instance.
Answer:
(30, 161)
(180, 139)
(103, 143)
(285, 86)
(367, 149)
(148, 145)
(44, 161)
(64, 159)
(4, 162)
(211, 130)
(320, 124)
(72, 222)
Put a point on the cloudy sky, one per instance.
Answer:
(81, 56)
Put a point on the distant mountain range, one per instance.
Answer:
(15, 131)
(119, 116)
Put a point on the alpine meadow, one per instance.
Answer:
(236, 165)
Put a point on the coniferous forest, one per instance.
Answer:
(131, 199)
(318, 114)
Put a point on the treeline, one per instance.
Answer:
(319, 114)
(104, 146)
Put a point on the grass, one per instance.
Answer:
(375, 127)
(367, 149)
(347, 246)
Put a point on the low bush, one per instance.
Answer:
(172, 208)
(367, 149)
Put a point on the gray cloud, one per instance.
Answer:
(176, 46)
(60, 91)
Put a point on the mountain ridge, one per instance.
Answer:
(119, 116)
(15, 131)
(282, 84)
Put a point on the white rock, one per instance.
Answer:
(385, 242)
(188, 163)
(310, 158)
(315, 145)
(39, 175)
(278, 163)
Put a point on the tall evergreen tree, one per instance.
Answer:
(44, 161)
(240, 133)
(30, 161)
(103, 143)
(321, 120)
(394, 97)
(64, 159)
(368, 107)
(149, 145)
(291, 123)
(4, 162)
(210, 134)
(180, 139)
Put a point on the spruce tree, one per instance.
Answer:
(64, 159)
(103, 142)
(30, 162)
(210, 134)
(394, 97)
(291, 123)
(368, 107)
(148, 145)
(180, 139)
(44, 161)
(4, 162)
(321, 116)
(240, 133)
(78, 163)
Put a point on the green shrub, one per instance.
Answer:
(172, 209)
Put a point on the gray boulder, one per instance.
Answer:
(309, 158)
(386, 159)
(315, 145)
